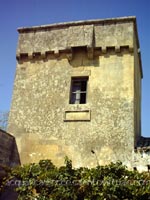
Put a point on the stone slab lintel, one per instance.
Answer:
(76, 73)
(84, 115)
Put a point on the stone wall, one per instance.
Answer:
(45, 124)
(57, 37)
(8, 150)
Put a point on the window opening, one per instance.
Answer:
(78, 90)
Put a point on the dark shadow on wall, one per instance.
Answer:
(80, 58)
(9, 157)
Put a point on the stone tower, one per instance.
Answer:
(77, 90)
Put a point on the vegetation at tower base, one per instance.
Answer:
(44, 181)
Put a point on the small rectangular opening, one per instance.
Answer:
(78, 91)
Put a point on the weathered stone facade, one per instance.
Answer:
(46, 124)
(9, 156)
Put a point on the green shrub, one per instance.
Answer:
(45, 181)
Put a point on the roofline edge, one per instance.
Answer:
(76, 23)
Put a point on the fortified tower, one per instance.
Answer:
(77, 90)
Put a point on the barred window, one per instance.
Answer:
(78, 92)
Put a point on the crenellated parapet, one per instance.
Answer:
(96, 35)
